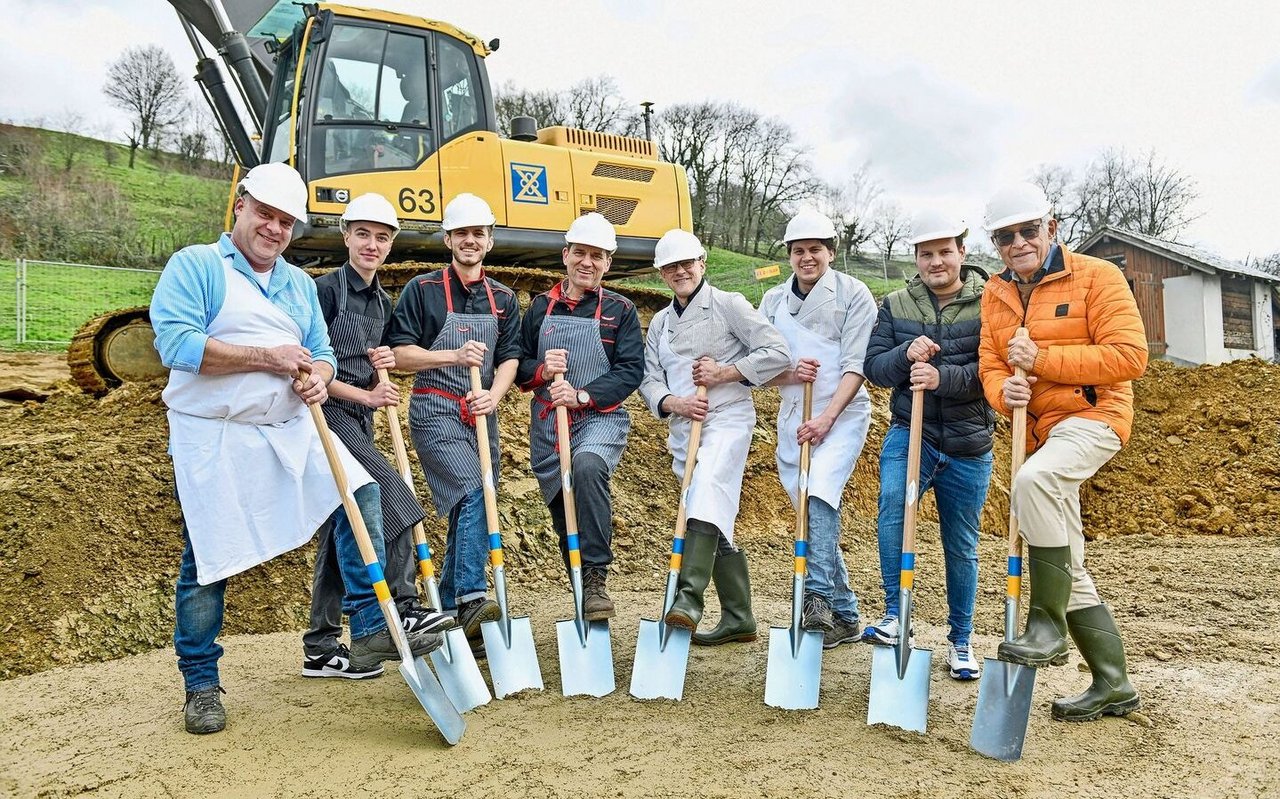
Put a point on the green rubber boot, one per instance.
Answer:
(695, 573)
(733, 586)
(1044, 641)
(1094, 631)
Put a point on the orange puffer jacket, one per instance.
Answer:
(1085, 321)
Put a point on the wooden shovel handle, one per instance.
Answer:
(486, 459)
(802, 485)
(367, 552)
(690, 463)
(566, 466)
(401, 454)
(1018, 448)
(913, 471)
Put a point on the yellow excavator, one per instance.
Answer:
(362, 100)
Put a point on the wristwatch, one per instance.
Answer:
(583, 397)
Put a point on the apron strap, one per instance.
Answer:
(488, 290)
(464, 410)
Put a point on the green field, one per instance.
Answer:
(733, 271)
(62, 298)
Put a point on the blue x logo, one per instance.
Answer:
(529, 183)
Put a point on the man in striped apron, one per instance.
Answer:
(826, 317)
(713, 338)
(591, 337)
(356, 310)
(445, 323)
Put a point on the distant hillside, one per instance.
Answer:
(74, 198)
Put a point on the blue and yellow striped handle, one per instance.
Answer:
(801, 550)
(1013, 583)
(575, 556)
(425, 567)
(379, 582)
(495, 549)
(677, 554)
(907, 575)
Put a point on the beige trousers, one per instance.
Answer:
(1046, 494)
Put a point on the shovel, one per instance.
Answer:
(454, 662)
(586, 653)
(899, 680)
(662, 652)
(1004, 694)
(795, 655)
(508, 642)
(414, 670)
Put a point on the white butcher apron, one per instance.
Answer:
(716, 487)
(831, 462)
(252, 476)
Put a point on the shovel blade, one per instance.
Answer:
(433, 699)
(791, 678)
(513, 662)
(1004, 707)
(459, 675)
(660, 666)
(904, 702)
(585, 667)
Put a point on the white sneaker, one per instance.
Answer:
(885, 632)
(964, 666)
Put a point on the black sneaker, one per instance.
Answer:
(338, 664)
(204, 711)
(418, 619)
(843, 632)
(471, 614)
(817, 615)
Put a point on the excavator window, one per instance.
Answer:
(459, 89)
(371, 111)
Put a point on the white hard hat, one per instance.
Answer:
(675, 246)
(809, 224)
(467, 210)
(1017, 202)
(279, 186)
(371, 207)
(593, 230)
(931, 224)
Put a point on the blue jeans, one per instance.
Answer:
(198, 609)
(466, 551)
(827, 576)
(959, 489)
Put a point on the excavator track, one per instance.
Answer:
(118, 347)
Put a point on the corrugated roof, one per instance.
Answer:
(1193, 257)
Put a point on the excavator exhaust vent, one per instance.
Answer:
(620, 172)
(592, 141)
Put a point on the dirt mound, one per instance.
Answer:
(90, 543)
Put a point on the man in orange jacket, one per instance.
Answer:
(1085, 344)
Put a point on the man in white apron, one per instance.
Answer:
(590, 336)
(826, 317)
(356, 309)
(926, 336)
(242, 334)
(713, 338)
(445, 323)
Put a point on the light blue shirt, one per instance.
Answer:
(193, 287)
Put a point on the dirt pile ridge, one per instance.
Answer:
(90, 543)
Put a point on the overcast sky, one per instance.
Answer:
(947, 101)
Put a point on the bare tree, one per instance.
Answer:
(690, 135)
(1270, 264)
(892, 226)
(543, 105)
(597, 104)
(144, 83)
(849, 205)
(75, 139)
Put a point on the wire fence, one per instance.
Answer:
(43, 303)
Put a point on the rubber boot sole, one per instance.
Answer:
(1123, 708)
(677, 619)
(735, 638)
(1054, 660)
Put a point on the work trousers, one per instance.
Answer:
(1046, 494)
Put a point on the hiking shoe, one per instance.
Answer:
(204, 711)
(596, 604)
(843, 631)
(418, 619)
(338, 664)
(817, 615)
(964, 666)
(471, 614)
(884, 632)
(371, 650)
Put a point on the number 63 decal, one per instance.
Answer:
(412, 201)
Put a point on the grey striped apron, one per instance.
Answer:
(590, 430)
(442, 426)
(351, 335)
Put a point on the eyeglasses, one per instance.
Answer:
(678, 266)
(1028, 233)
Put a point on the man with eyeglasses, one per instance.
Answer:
(926, 337)
(1085, 344)
(826, 318)
(712, 338)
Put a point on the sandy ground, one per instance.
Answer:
(1203, 652)
(1187, 554)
